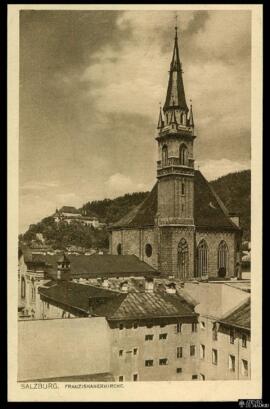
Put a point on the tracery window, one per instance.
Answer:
(202, 258)
(183, 155)
(182, 259)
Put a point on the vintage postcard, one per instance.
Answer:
(135, 202)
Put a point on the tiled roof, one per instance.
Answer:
(85, 299)
(142, 305)
(95, 265)
(240, 317)
(209, 211)
(74, 296)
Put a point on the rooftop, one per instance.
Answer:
(95, 265)
(239, 317)
(83, 300)
(209, 211)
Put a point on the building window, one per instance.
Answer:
(135, 351)
(192, 350)
(33, 291)
(120, 378)
(163, 361)
(179, 352)
(149, 337)
(182, 259)
(164, 155)
(232, 363)
(214, 357)
(135, 377)
(121, 326)
(202, 259)
(162, 336)
(202, 325)
(214, 332)
(202, 351)
(149, 325)
(119, 249)
(178, 370)
(149, 362)
(222, 259)
(48, 306)
(23, 287)
(135, 325)
(194, 327)
(232, 336)
(183, 208)
(202, 377)
(244, 340)
(194, 377)
(121, 352)
(178, 328)
(148, 250)
(183, 155)
(182, 188)
(244, 367)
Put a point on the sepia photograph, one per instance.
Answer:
(133, 231)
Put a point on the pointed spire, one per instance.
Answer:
(160, 120)
(191, 120)
(176, 90)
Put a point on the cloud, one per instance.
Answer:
(36, 186)
(213, 169)
(119, 184)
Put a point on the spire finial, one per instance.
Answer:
(176, 25)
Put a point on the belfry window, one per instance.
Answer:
(182, 188)
(183, 155)
(164, 155)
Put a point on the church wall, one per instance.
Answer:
(169, 240)
(133, 241)
(213, 239)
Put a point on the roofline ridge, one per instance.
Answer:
(234, 309)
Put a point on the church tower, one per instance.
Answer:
(175, 168)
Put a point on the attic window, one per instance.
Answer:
(148, 250)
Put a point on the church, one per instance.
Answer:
(182, 228)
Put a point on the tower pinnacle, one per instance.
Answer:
(175, 91)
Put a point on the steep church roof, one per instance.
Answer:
(209, 210)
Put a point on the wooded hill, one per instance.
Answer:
(233, 189)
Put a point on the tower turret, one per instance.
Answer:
(63, 268)
(175, 167)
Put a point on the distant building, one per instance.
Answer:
(182, 228)
(69, 214)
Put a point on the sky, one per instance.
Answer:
(90, 87)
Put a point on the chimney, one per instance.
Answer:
(171, 288)
(149, 285)
(124, 286)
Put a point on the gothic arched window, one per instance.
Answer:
(164, 155)
(182, 259)
(23, 287)
(202, 258)
(222, 258)
(183, 155)
(119, 249)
